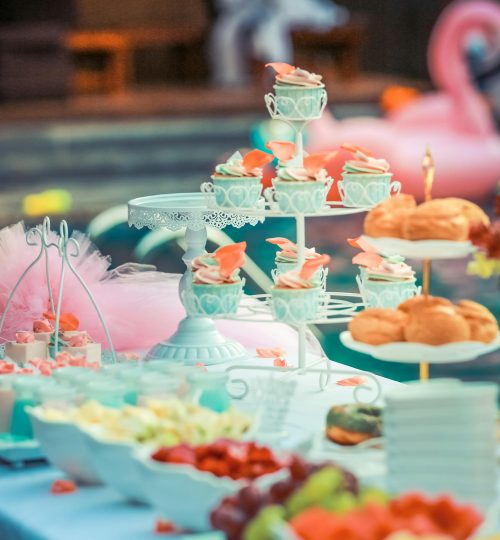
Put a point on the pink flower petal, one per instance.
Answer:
(352, 381)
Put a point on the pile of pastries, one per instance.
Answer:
(450, 218)
(432, 320)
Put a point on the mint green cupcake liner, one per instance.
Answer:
(299, 103)
(386, 294)
(211, 300)
(300, 197)
(237, 192)
(295, 306)
(367, 189)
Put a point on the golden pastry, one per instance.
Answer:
(386, 219)
(482, 323)
(436, 220)
(377, 326)
(436, 325)
(472, 212)
(423, 301)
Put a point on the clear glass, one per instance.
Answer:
(69, 374)
(26, 395)
(176, 370)
(7, 396)
(57, 396)
(209, 389)
(153, 386)
(107, 392)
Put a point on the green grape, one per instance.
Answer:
(340, 502)
(262, 526)
(316, 488)
(373, 495)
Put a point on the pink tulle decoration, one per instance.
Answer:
(135, 300)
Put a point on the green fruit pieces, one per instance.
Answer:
(373, 495)
(340, 503)
(262, 527)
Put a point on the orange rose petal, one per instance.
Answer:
(270, 353)
(67, 321)
(318, 160)
(361, 243)
(353, 148)
(283, 150)
(278, 241)
(352, 381)
(230, 258)
(311, 265)
(281, 68)
(367, 259)
(256, 159)
(163, 526)
(62, 487)
(279, 362)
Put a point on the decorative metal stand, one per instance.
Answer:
(67, 248)
(196, 338)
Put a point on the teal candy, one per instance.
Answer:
(300, 197)
(217, 400)
(215, 299)
(237, 192)
(365, 189)
(300, 103)
(295, 305)
(387, 294)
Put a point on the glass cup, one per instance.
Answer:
(209, 389)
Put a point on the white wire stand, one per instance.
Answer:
(196, 338)
(67, 248)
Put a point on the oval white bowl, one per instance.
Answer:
(65, 447)
(185, 495)
(115, 465)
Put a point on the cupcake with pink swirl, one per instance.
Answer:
(366, 180)
(299, 94)
(384, 281)
(296, 296)
(216, 289)
(237, 183)
(302, 185)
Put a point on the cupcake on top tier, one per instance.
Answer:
(295, 297)
(216, 286)
(384, 281)
(301, 186)
(300, 95)
(366, 179)
(237, 182)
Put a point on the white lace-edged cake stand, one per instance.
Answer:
(196, 337)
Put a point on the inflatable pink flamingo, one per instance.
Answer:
(454, 120)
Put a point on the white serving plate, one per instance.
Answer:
(115, 465)
(65, 447)
(412, 353)
(422, 249)
(185, 495)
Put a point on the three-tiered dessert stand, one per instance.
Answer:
(196, 338)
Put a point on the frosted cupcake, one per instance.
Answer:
(299, 94)
(384, 281)
(216, 289)
(366, 179)
(287, 257)
(238, 182)
(303, 188)
(296, 297)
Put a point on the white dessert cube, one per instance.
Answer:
(43, 336)
(22, 353)
(91, 352)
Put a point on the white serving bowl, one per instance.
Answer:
(65, 447)
(185, 495)
(115, 465)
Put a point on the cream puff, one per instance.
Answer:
(377, 326)
(386, 219)
(482, 323)
(436, 325)
(421, 301)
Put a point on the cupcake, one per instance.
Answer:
(299, 94)
(366, 180)
(384, 281)
(287, 258)
(295, 297)
(302, 188)
(216, 289)
(237, 182)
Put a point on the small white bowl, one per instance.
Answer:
(64, 446)
(115, 464)
(186, 495)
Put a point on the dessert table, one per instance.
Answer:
(28, 511)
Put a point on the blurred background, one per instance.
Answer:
(101, 102)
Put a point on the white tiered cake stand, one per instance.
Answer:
(196, 337)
